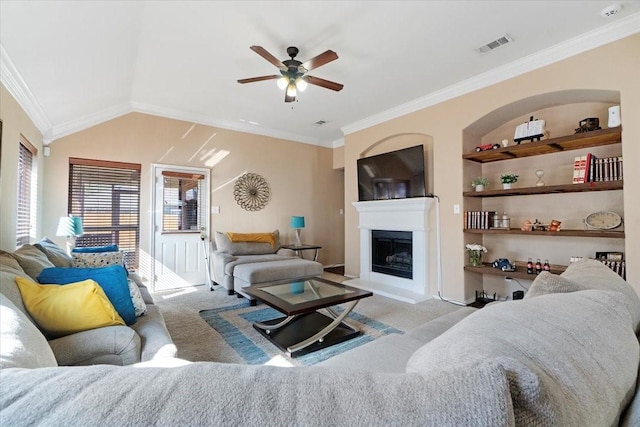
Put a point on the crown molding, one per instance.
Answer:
(12, 80)
(89, 120)
(582, 43)
(224, 124)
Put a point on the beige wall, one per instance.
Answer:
(301, 176)
(611, 67)
(15, 122)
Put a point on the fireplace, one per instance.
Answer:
(391, 253)
(408, 279)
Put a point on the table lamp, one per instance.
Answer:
(297, 222)
(70, 227)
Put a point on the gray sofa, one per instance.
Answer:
(144, 340)
(566, 355)
(238, 264)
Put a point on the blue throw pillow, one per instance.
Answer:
(112, 279)
(96, 249)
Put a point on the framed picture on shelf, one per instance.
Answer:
(609, 256)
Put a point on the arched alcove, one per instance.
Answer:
(404, 140)
(562, 112)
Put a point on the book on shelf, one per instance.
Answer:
(590, 168)
(478, 220)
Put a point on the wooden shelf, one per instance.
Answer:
(561, 233)
(549, 189)
(595, 138)
(520, 273)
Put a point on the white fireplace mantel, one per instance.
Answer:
(395, 215)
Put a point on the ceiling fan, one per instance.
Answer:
(293, 73)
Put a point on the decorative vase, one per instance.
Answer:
(506, 186)
(479, 187)
(475, 258)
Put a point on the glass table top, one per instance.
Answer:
(306, 291)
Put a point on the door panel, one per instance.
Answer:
(180, 218)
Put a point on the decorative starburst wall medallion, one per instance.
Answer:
(252, 192)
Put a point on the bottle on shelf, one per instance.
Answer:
(546, 266)
(538, 266)
(529, 266)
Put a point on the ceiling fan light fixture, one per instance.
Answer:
(282, 82)
(291, 89)
(301, 84)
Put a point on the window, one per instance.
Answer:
(106, 195)
(181, 197)
(25, 217)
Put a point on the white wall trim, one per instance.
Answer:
(15, 84)
(582, 43)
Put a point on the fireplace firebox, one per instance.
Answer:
(392, 253)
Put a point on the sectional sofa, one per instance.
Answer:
(144, 336)
(566, 355)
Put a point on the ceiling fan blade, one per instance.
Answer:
(288, 98)
(266, 55)
(323, 58)
(258, 79)
(324, 83)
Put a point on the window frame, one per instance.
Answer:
(111, 211)
(26, 191)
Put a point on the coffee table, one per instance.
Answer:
(304, 329)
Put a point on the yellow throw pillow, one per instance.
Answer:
(253, 237)
(61, 310)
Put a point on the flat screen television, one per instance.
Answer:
(395, 175)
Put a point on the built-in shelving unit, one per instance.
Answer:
(562, 233)
(549, 189)
(595, 138)
(530, 149)
(520, 273)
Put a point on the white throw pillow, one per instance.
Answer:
(98, 259)
(136, 297)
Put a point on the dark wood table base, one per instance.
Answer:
(301, 328)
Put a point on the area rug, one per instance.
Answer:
(234, 324)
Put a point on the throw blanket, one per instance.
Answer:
(253, 237)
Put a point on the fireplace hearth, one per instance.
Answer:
(390, 216)
(392, 253)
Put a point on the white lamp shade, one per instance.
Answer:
(291, 89)
(282, 82)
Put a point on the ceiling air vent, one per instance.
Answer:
(500, 41)
(319, 123)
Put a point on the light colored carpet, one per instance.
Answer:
(197, 341)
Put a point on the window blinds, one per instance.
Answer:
(26, 203)
(106, 195)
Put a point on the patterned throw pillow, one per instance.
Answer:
(100, 259)
(136, 298)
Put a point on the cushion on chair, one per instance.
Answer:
(224, 244)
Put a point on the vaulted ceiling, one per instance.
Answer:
(74, 64)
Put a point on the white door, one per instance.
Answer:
(181, 222)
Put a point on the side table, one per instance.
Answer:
(298, 250)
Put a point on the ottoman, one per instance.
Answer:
(272, 271)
